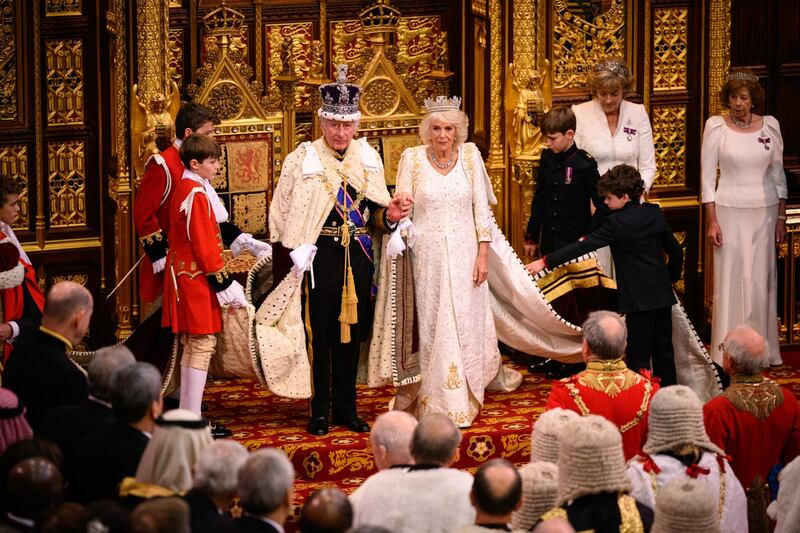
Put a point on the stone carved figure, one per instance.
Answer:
(156, 127)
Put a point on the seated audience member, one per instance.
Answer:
(107, 516)
(103, 461)
(592, 484)
(427, 496)
(67, 311)
(686, 504)
(756, 421)
(326, 511)
(68, 425)
(33, 490)
(678, 447)
(496, 493)
(179, 437)
(539, 492)
(161, 515)
(546, 434)
(68, 517)
(390, 440)
(214, 486)
(13, 425)
(785, 510)
(26, 449)
(607, 387)
(266, 491)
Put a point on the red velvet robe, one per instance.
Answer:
(151, 214)
(757, 423)
(609, 389)
(13, 299)
(195, 251)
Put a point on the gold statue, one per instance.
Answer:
(527, 100)
(317, 70)
(152, 125)
(287, 56)
(440, 52)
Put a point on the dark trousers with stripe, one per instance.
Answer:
(334, 365)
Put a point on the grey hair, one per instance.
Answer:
(388, 432)
(456, 118)
(134, 389)
(746, 362)
(101, 370)
(264, 480)
(217, 467)
(435, 440)
(605, 342)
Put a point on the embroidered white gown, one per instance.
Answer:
(458, 354)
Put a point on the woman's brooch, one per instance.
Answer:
(765, 142)
(630, 132)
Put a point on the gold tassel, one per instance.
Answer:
(351, 298)
(344, 333)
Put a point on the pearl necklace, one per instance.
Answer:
(741, 124)
(442, 166)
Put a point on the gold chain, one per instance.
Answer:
(334, 194)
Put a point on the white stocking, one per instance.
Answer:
(193, 382)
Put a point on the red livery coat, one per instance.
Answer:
(151, 214)
(611, 390)
(757, 423)
(195, 251)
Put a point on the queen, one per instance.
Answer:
(453, 224)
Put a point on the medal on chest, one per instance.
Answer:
(568, 175)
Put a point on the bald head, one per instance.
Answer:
(554, 525)
(745, 351)
(326, 511)
(435, 440)
(497, 489)
(391, 439)
(68, 309)
(34, 487)
(604, 335)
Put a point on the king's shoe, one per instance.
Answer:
(351, 422)
(218, 431)
(318, 426)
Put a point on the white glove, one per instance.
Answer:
(245, 241)
(159, 265)
(396, 246)
(232, 296)
(303, 257)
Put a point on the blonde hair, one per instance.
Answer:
(456, 118)
(610, 75)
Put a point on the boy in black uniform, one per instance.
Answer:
(639, 237)
(565, 184)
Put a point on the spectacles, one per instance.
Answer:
(722, 347)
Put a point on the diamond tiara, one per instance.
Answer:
(442, 103)
(742, 75)
(614, 67)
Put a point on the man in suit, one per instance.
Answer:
(496, 494)
(266, 491)
(33, 490)
(214, 486)
(104, 460)
(639, 237)
(326, 510)
(39, 369)
(68, 425)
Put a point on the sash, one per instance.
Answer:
(357, 220)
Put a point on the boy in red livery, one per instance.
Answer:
(196, 283)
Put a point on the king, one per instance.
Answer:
(330, 193)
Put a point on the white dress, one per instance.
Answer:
(751, 183)
(458, 349)
(631, 144)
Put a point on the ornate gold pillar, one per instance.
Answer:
(496, 162)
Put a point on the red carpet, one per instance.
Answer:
(343, 458)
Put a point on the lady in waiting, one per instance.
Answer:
(453, 224)
(612, 129)
(745, 211)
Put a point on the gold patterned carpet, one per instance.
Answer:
(343, 458)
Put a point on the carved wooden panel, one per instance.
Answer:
(65, 106)
(670, 48)
(298, 37)
(669, 139)
(14, 164)
(10, 82)
(66, 179)
(60, 8)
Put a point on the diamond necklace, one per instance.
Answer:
(741, 124)
(442, 166)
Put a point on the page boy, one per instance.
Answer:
(196, 283)
(639, 236)
(565, 185)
